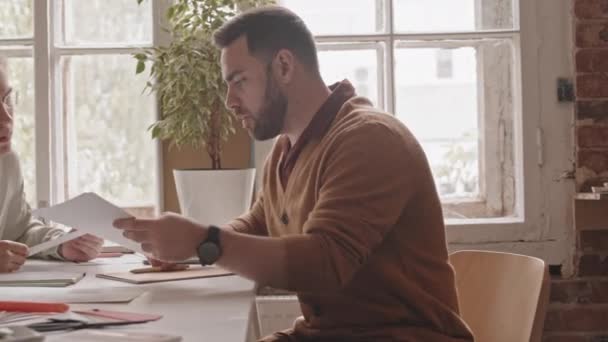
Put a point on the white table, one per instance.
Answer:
(209, 309)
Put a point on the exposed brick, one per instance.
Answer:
(590, 215)
(592, 60)
(592, 85)
(586, 185)
(592, 34)
(591, 8)
(596, 110)
(584, 60)
(592, 159)
(594, 241)
(580, 318)
(592, 136)
(579, 291)
(591, 265)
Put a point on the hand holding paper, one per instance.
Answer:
(90, 214)
(168, 238)
(12, 255)
(81, 249)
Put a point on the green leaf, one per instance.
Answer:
(139, 2)
(170, 12)
(140, 56)
(141, 66)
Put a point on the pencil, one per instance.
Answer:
(177, 267)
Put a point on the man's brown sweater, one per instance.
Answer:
(356, 202)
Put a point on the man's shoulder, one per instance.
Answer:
(358, 117)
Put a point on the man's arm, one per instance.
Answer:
(262, 259)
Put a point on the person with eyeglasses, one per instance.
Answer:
(18, 229)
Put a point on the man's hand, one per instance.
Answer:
(12, 255)
(83, 248)
(170, 237)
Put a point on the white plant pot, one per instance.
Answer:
(214, 196)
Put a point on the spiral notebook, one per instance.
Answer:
(40, 279)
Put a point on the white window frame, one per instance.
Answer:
(50, 136)
(50, 133)
(543, 139)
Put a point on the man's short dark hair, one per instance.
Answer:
(269, 29)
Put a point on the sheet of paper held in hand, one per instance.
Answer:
(88, 213)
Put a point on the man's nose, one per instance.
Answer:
(231, 101)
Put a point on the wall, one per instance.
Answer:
(579, 306)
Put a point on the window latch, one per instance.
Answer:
(565, 90)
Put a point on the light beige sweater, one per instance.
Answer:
(367, 251)
(16, 221)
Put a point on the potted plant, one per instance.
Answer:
(187, 78)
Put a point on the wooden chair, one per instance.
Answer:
(503, 297)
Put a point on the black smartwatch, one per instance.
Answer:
(209, 250)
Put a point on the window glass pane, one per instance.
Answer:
(110, 150)
(451, 15)
(426, 97)
(21, 78)
(338, 17)
(16, 18)
(459, 102)
(358, 66)
(107, 21)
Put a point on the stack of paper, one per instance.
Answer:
(40, 279)
(7, 317)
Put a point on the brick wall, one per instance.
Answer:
(579, 306)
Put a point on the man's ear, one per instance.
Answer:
(284, 66)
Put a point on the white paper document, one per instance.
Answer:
(89, 213)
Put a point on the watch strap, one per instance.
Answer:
(213, 235)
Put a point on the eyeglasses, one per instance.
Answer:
(9, 99)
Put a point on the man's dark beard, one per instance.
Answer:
(272, 114)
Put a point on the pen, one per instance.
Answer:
(177, 267)
(33, 307)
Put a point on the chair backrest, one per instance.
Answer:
(502, 296)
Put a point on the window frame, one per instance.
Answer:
(52, 148)
(543, 228)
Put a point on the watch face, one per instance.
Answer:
(209, 252)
